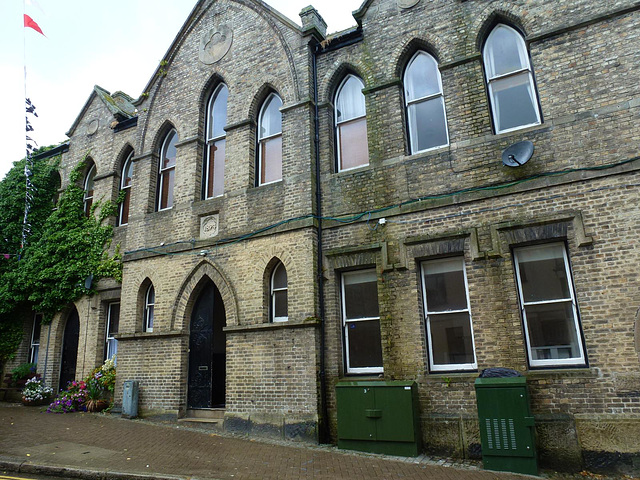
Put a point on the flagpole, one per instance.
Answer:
(30, 143)
(26, 163)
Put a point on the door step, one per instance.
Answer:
(204, 415)
(216, 421)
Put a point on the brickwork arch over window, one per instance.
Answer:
(167, 171)
(424, 102)
(125, 188)
(351, 124)
(270, 141)
(88, 189)
(512, 92)
(149, 309)
(279, 311)
(213, 179)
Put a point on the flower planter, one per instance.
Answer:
(34, 403)
(96, 405)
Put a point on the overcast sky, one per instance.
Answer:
(116, 44)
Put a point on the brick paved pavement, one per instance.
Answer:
(107, 443)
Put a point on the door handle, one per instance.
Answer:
(373, 413)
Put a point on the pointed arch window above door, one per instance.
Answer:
(216, 142)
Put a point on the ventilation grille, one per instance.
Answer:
(501, 434)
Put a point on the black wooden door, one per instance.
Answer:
(200, 357)
(69, 349)
(219, 351)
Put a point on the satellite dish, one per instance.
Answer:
(517, 154)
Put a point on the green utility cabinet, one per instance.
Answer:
(507, 427)
(378, 417)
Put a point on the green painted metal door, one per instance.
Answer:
(397, 423)
(505, 422)
(507, 427)
(356, 403)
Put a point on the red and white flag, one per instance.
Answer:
(29, 22)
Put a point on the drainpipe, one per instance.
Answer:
(324, 425)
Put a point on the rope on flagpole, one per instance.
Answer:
(31, 145)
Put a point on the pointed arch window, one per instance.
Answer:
(270, 141)
(125, 188)
(113, 322)
(167, 172)
(512, 92)
(35, 338)
(88, 190)
(424, 102)
(279, 289)
(351, 124)
(149, 308)
(216, 142)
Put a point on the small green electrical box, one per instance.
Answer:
(507, 427)
(379, 417)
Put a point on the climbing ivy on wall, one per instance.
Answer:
(12, 194)
(64, 249)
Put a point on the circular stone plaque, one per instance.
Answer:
(407, 3)
(92, 128)
(215, 44)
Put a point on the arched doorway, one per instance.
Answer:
(69, 349)
(207, 350)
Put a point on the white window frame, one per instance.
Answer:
(88, 198)
(552, 362)
(428, 314)
(162, 170)
(413, 139)
(128, 164)
(34, 348)
(274, 290)
(149, 307)
(338, 123)
(211, 139)
(262, 139)
(110, 340)
(496, 79)
(346, 321)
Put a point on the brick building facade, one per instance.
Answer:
(396, 246)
